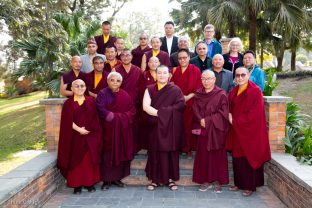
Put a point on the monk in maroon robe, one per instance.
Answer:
(161, 55)
(80, 143)
(188, 77)
(133, 84)
(248, 138)
(105, 40)
(120, 46)
(211, 124)
(116, 110)
(164, 103)
(97, 79)
(150, 75)
(139, 51)
(111, 60)
(68, 77)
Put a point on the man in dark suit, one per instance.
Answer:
(224, 78)
(169, 42)
(105, 39)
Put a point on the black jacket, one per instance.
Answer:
(228, 63)
(174, 46)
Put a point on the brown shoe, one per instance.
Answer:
(233, 188)
(247, 193)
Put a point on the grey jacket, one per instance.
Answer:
(227, 80)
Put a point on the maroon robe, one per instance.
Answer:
(118, 148)
(69, 77)
(248, 137)
(101, 45)
(148, 78)
(165, 138)
(137, 54)
(162, 56)
(210, 162)
(79, 156)
(133, 84)
(90, 82)
(108, 68)
(189, 82)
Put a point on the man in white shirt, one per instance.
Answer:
(169, 42)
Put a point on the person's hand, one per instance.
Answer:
(196, 131)
(230, 118)
(83, 131)
(202, 123)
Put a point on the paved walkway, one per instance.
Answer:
(138, 196)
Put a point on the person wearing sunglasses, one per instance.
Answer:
(116, 110)
(139, 51)
(80, 141)
(248, 138)
(257, 75)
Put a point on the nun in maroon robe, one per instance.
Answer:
(94, 88)
(116, 110)
(80, 141)
(188, 78)
(248, 137)
(133, 84)
(211, 124)
(164, 103)
(139, 51)
(162, 56)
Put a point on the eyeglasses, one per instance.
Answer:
(81, 86)
(115, 80)
(243, 75)
(142, 38)
(207, 79)
(183, 58)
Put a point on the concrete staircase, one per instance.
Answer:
(138, 177)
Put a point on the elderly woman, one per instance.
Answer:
(164, 103)
(80, 143)
(161, 55)
(233, 59)
(116, 110)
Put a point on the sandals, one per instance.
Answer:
(151, 186)
(217, 189)
(204, 187)
(247, 193)
(172, 186)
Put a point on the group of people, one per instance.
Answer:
(169, 101)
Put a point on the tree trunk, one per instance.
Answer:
(232, 25)
(261, 56)
(252, 29)
(293, 60)
(218, 35)
(280, 58)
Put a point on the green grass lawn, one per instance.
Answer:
(22, 123)
(300, 89)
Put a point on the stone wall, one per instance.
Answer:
(31, 184)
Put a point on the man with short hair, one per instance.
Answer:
(139, 51)
(105, 39)
(86, 59)
(211, 124)
(112, 61)
(248, 138)
(224, 78)
(68, 77)
(187, 77)
(183, 42)
(202, 61)
(214, 47)
(169, 41)
(96, 79)
(120, 46)
(257, 75)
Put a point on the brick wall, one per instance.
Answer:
(38, 191)
(293, 191)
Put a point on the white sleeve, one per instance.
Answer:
(147, 104)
